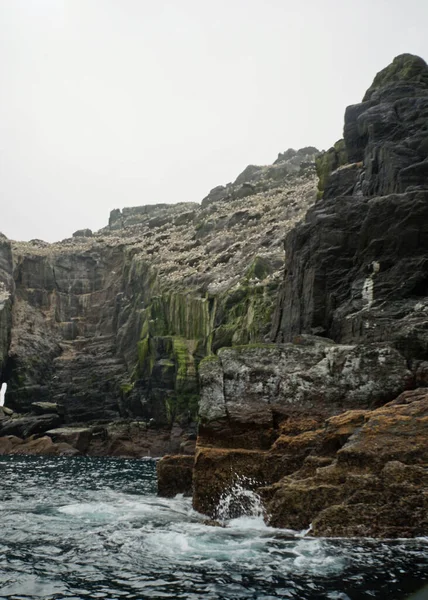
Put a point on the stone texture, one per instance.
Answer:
(266, 412)
(43, 408)
(344, 275)
(6, 296)
(217, 470)
(77, 437)
(355, 272)
(174, 474)
(248, 391)
(376, 484)
(33, 445)
(113, 325)
(25, 426)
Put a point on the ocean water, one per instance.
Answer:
(81, 528)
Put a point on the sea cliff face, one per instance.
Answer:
(305, 371)
(112, 325)
(6, 295)
(326, 428)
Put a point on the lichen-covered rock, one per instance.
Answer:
(44, 408)
(217, 470)
(114, 324)
(328, 162)
(377, 483)
(248, 391)
(263, 414)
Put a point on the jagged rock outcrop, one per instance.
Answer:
(356, 267)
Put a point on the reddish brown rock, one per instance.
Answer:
(77, 437)
(33, 445)
(217, 469)
(376, 486)
(175, 476)
(8, 442)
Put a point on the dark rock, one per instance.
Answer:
(356, 273)
(6, 295)
(302, 154)
(44, 408)
(83, 233)
(174, 475)
(24, 427)
(345, 263)
(250, 173)
(218, 470)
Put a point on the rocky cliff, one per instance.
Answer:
(6, 295)
(357, 267)
(113, 325)
(309, 368)
(304, 419)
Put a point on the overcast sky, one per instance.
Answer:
(113, 103)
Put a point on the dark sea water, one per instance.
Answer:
(80, 528)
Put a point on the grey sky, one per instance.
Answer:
(113, 103)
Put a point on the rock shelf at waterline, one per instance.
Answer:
(77, 527)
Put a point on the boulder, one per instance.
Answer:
(8, 442)
(43, 446)
(218, 470)
(35, 445)
(24, 427)
(77, 437)
(44, 408)
(82, 233)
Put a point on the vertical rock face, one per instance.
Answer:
(357, 267)
(304, 420)
(63, 336)
(6, 295)
(114, 323)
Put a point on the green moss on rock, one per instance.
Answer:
(329, 161)
(405, 68)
